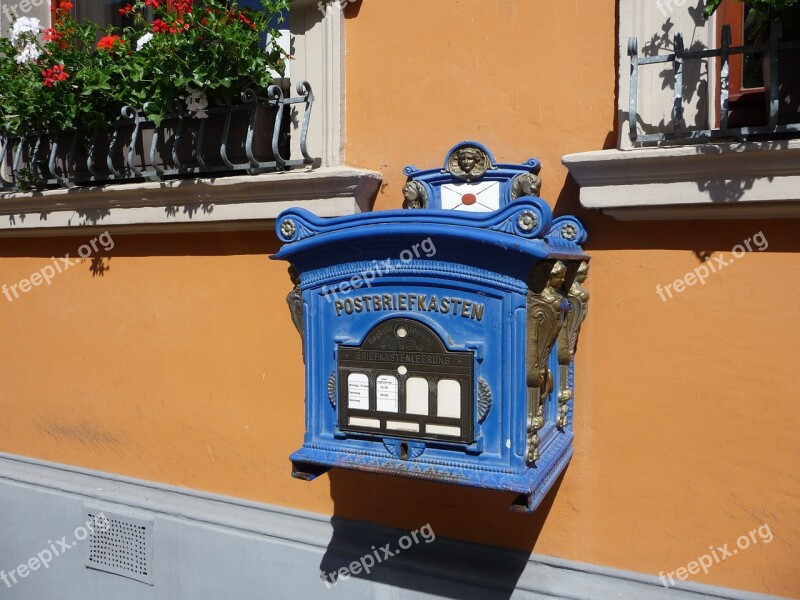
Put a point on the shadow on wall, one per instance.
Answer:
(115, 244)
(704, 237)
(694, 93)
(418, 556)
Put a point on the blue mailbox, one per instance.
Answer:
(439, 340)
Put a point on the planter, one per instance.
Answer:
(233, 138)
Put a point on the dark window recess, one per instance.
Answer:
(746, 82)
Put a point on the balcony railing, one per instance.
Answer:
(246, 136)
(678, 58)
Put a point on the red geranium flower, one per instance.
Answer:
(177, 26)
(51, 34)
(108, 42)
(125, 9)
(66, 6)
(243, 18)
(152, 3)
(173, 27)
(182, 6)
(53, 75)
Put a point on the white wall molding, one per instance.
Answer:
(715, 181)
(208, 546)
(236, 202)
(318, 56)
(651, 22)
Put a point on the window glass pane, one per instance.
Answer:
(443, 430)
(386, 387)
(361, 422)
(358, 391)
(402, 426)
(417, 396)
(449, 399)
(752, 72)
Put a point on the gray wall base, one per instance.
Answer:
(208, 547)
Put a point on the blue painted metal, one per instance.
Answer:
(464, 277)
(433, 180)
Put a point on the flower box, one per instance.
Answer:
(243, 137)
(184, 88)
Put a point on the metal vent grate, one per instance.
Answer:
(120, 544)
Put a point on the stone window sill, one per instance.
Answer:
(713, 181)
(236, 202)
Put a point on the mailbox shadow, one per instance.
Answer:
(468, 542)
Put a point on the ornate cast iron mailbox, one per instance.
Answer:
(439, 342)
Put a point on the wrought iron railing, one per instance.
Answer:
(246, 136)
(679, 56)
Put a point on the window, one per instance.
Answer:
(316, 40)
(746, 83)
(715, 179)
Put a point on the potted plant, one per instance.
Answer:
(763, 18)
(81, 86)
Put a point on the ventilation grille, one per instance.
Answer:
(120, 544)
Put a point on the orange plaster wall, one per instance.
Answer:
(686, 409)
(175, 360)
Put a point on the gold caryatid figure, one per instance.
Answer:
(415, 195)
(295, 301)
(578, 299)
(526, 184)
(546, 312)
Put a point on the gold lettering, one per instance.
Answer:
(477, 311)
(403, 301)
